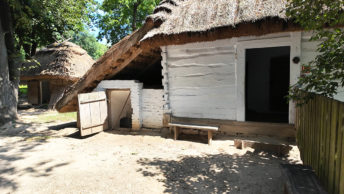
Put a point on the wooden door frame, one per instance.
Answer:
(108, 96)
(292, 39)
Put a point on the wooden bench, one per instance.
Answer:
(177, 126)
(301, 179)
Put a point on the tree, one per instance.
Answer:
(41, 22)
(325, 74)
(9, 70)
(121, 17)
(88, 42)
(26, 25)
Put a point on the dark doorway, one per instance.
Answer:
(267, 84)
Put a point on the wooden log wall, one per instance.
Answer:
(320, 138)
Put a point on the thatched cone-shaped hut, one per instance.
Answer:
(52, 69)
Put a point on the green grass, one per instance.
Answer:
(55, 116)
(23, 89)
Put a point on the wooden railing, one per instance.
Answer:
(320, 138)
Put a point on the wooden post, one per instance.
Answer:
(210, 137)
(176, 132)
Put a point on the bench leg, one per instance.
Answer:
(210, 137)
(176, 133)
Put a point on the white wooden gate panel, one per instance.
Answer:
(93, 112)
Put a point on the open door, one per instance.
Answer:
(34, 92)
(93, 113)
(120, 108)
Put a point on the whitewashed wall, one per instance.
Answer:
(207, 79)
(135, 96)
(152, 108)
(147, 104)
(201, 79)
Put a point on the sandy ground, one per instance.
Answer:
(39, 158)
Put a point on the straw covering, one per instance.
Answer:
(59, 60)
(178, 16)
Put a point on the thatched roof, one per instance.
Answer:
(64, 60)
(179, 22)
(185, 21)
(180, 16)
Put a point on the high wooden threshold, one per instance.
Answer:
(237, 128)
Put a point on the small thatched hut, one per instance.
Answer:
(225, 62)
(52, 69)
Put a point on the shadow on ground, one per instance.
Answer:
(17, 142)
(219, 173)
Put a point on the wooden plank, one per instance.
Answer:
(103, 111)
(91, 101)
(341, 181)
(95, 114)
(332, 146)
(201, 127)
(339, 147)
(327, 141)
(85, 116)
(321, 138)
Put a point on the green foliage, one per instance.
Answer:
(41, 22)
(325, 74)
(121, 17)
(23, 90)
(88, 42)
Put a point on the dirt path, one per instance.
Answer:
(36, 159)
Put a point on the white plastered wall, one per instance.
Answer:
(207, 79)
(152, 108)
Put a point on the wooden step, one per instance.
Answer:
(278, 148)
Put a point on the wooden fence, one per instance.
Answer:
(320, 138)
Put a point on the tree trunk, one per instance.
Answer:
(8, 88)
(135, 7)
(33, 48)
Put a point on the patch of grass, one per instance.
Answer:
(23, 89)
(55, 116)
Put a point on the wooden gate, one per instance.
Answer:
(93, 113)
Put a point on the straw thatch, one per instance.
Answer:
(64, 60)
(178, 16)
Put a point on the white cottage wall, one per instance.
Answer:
(207, 79)
(152, 108)
(201, 79)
